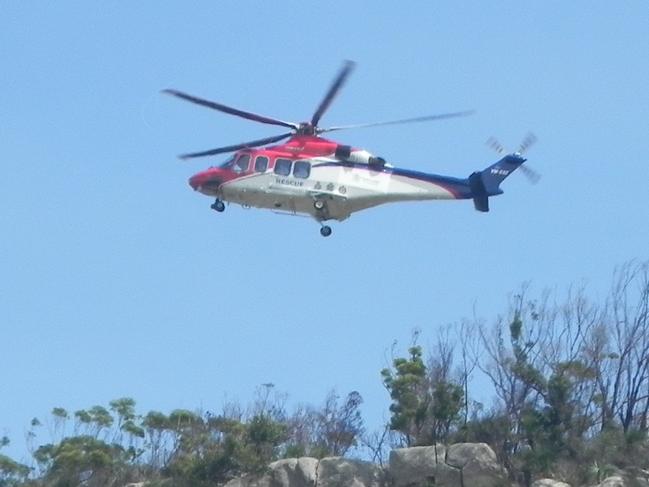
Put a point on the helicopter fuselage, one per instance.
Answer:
(308, 176)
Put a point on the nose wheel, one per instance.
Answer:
(325, 230)
(218, 205)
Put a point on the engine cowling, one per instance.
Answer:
(347, 154)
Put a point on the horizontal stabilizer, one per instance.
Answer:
(481, 203)
(480, 196)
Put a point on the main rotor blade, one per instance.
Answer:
(426, 118)
(338, 82)
(232, 148)
(232, 111)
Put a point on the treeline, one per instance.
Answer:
(569, 378)
(113, 446)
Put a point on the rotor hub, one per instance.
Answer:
(306, 128)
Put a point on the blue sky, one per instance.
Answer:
(117, 280)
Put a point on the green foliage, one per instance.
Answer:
(12, 473)
(406, 383)
(60, 413)
(81, 459)
(101, 417)
(446, 406)
(423, 408)
(124, 408)
(216, 449)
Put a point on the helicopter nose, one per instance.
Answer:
(195, 181)
(209, 180)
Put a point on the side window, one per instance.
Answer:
(242, 163)
(283, 167)
(301, 169)
(261, 163)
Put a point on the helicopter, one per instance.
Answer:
(312, 176)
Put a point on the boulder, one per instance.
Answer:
(639, 475)
(294, 472)
(549, 483)
(421, 466)
(478, 464)
(630, 477)
(343, 472)
(250, 481)
(612, 481)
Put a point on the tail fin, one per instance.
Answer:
(487, 182)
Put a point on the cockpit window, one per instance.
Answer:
(261, 163)
(302, 169)
(283, 167)
(242, 163)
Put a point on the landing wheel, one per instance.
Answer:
(325, 230)
(218, 205)
(318, 204)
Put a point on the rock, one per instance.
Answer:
(612, 481)
(342, 472)
(294, 472)
(549, 483)
(630, 477)
(478, 464)
(250, 481)
(309, 472)
(460, 465)
(635, 476)
(422, 466)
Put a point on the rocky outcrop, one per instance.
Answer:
(549, 483)
(298, 472)
(613, 481)
(310, 472)
(460, 465)
(478, 465)
(634, 477)
(422, 466)
(343, 472)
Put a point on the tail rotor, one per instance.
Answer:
(528, 141)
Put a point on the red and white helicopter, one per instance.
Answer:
(313, 176)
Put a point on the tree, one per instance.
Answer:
(12, 473)
(339, 425)
(426, 401)
(624, 377)
(569, 375)
(156, 433)
(406, 383)
(83, 459)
